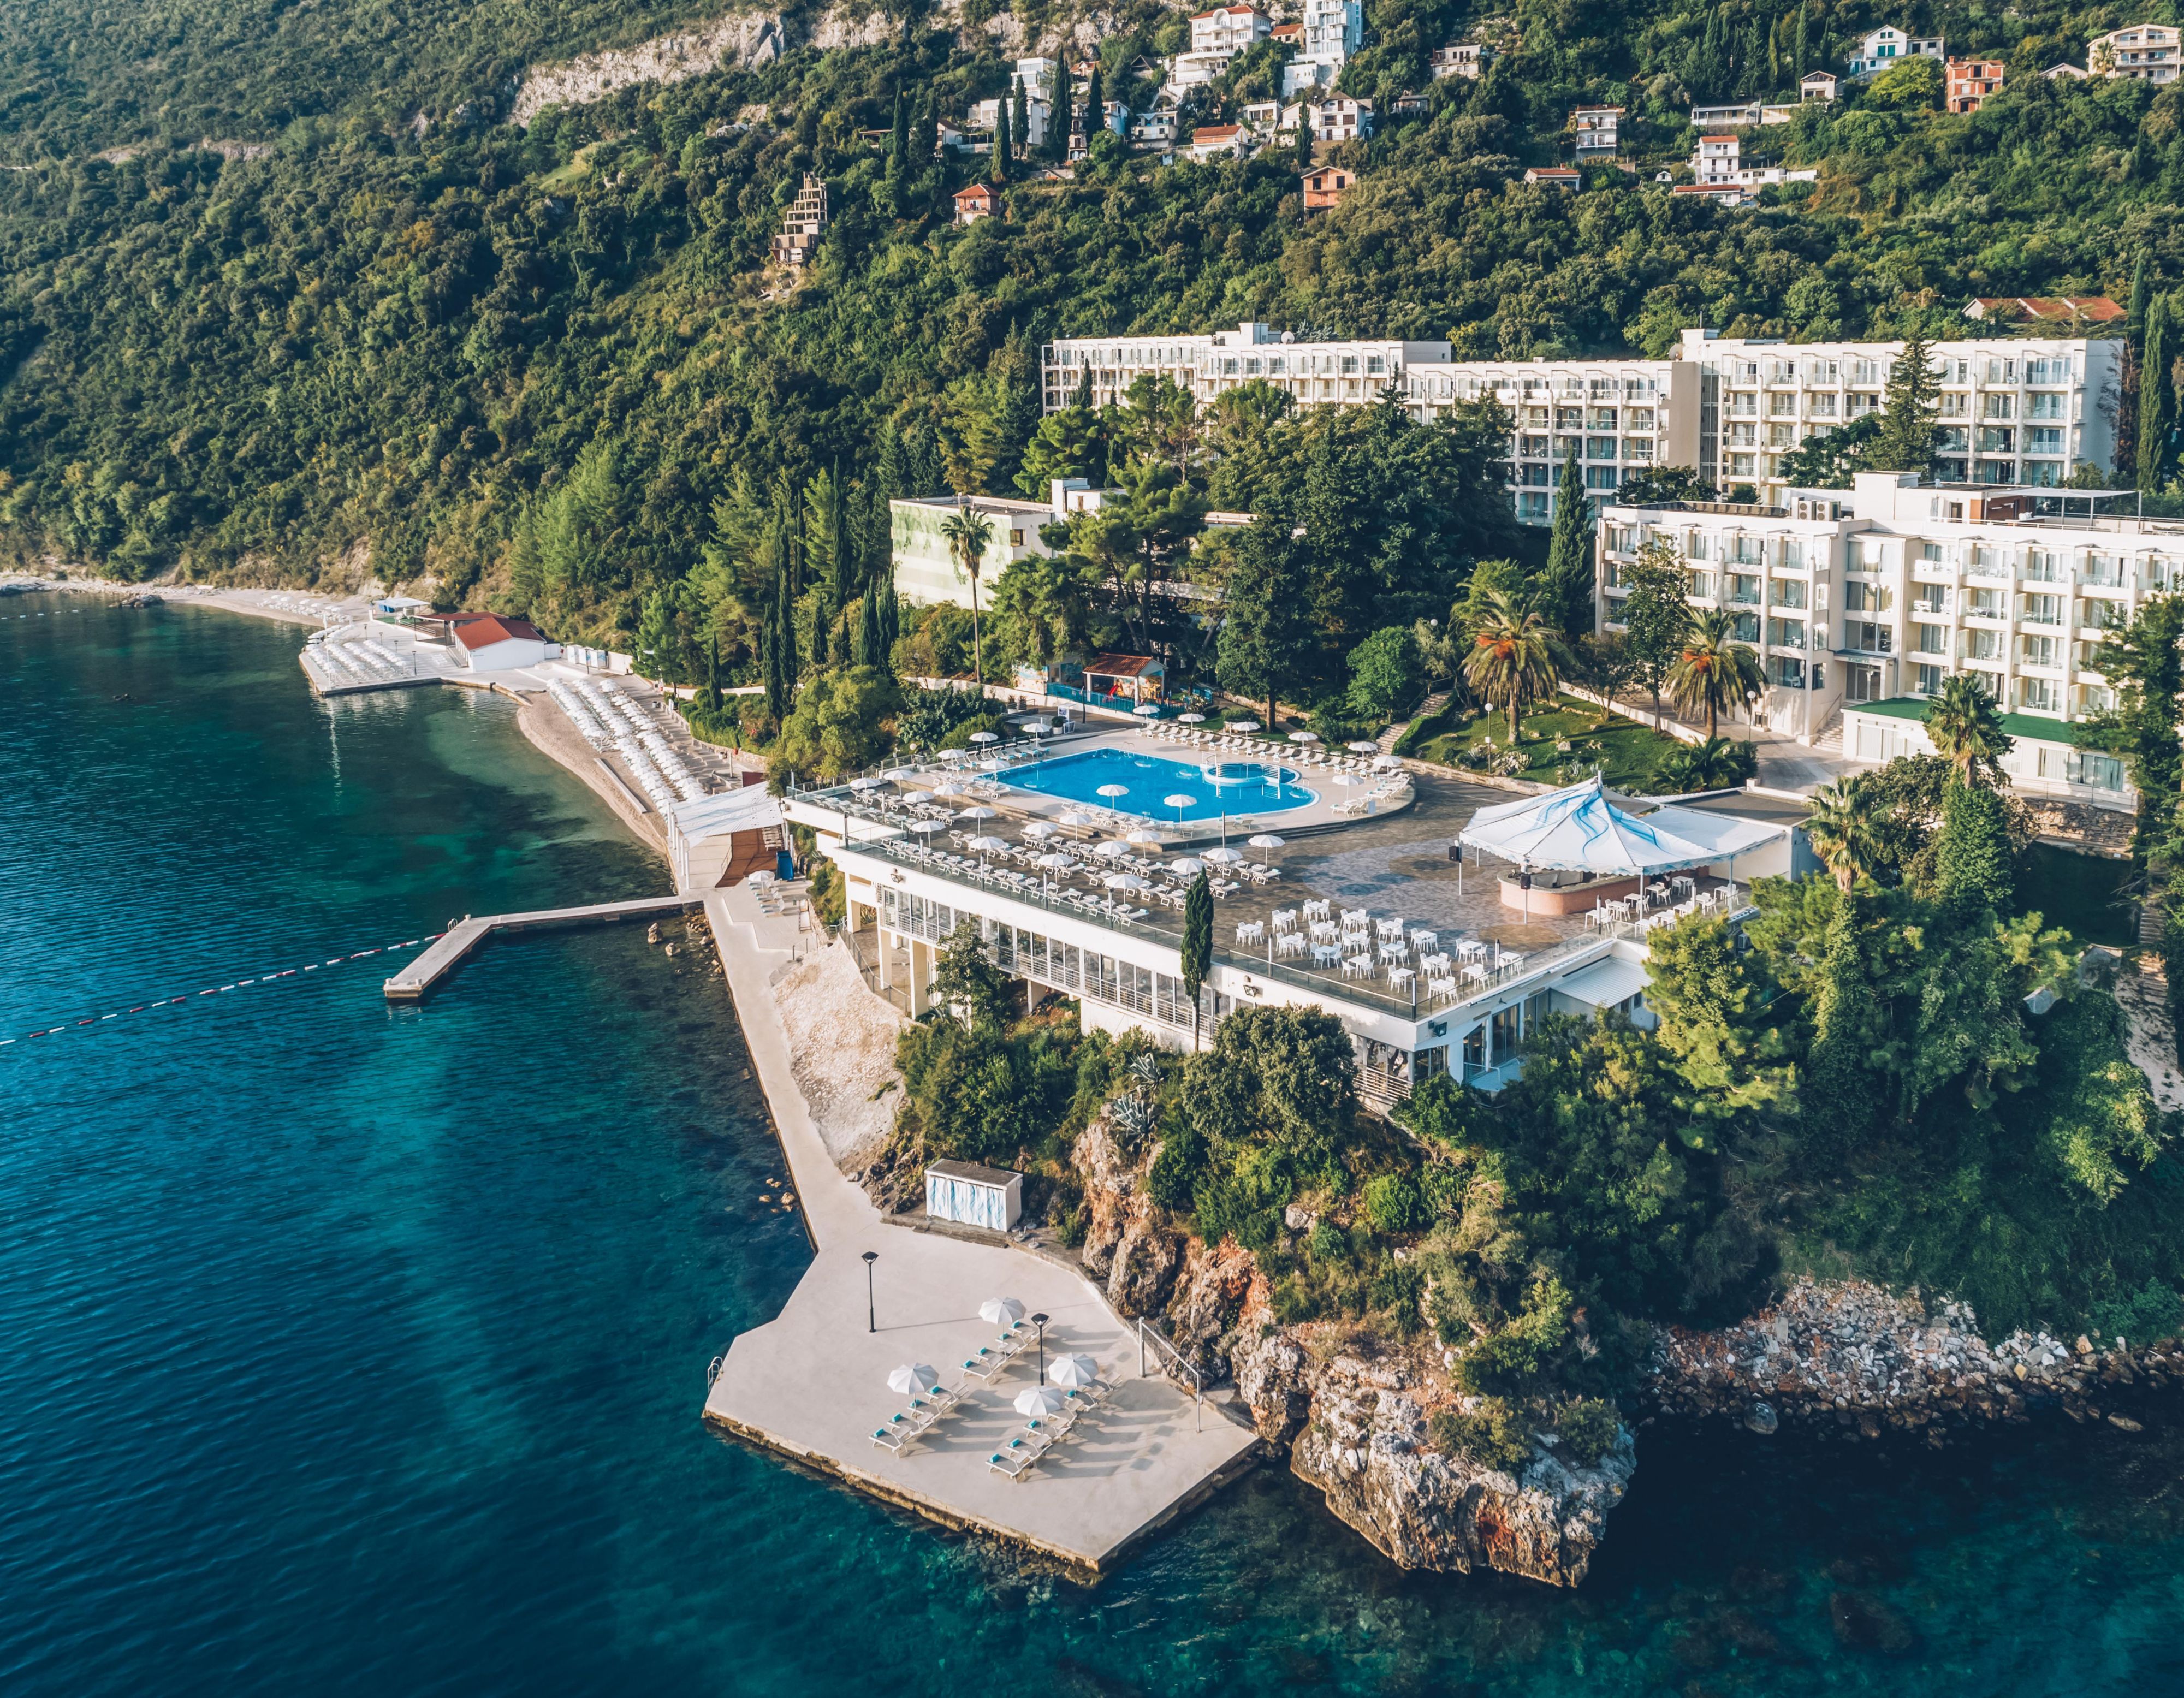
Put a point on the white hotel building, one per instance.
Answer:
(1861, 602)
(2013, 410)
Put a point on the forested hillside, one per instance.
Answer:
(552, 370)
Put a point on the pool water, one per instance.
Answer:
(1148, 780)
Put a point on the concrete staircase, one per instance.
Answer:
(1427, 709)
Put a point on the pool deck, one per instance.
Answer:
(1316, 816)
(811, 1384)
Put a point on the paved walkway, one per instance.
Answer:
(812, 1382)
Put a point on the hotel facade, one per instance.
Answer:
(2014, 411)
(1861, 601)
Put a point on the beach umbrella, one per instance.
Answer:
(1179, 802)
(913, 1379)
(1142, 837)
(948, 787)
(985, 737)
(866, 783)
(1039, 829)
(980, 812)
(1347, 778)
(1056, 862)
(1036, 1400)
(926, 826)
(1122, 881)
(898, 775)
(1191, 719)
(987, 845)
(1264, 841)
(1243, 725)
(1073, 1370)
(1222, 855)
(1001, 1312)
(1147, 710)
(1075, 816)
(1304, 737)
(1186, 866)
(1114, 790)
(1362, 748)
(1387, 763)
(1111, 850)
(955, 755)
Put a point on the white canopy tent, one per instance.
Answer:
(1579, 830)
(700, 833)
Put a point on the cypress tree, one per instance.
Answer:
(1568, 576)
(2141, 292)
(1096, 108)
(870, 644)
(1023, 120)
(713, 675)
(1059, 112)
(1083, 396)
(1001, 140)
(898, 143)
(1804, 51)
(1304, 133)
(890, 619)
(927, 142)
(1972, 867)
(2157, 395)
(1197, 944)
(1907, 429)
(781, 649)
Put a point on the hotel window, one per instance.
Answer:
(1867, 599)
(1783, 405)
(2042, 567)
(1349, 364)
(1742, 406)
(1856, 405)
(1956, 407)
(1929, 680)
(2101, 771)
(1786, 673)
(1569, 418)
(1699, 546)
(2043, 610)
(1868, 637)
(1534, 447)
(1786, 634)
(1746, 627)
(1999, 407)
(1983, 645)
(1821, 406)
(1601, 477)
(1996, 439)
(1602, 418)
(1016, 539)
(1599, 448)
(1743, 436)
(1639, 418)
(1375, 364)
(2045, 407)
(1933, 599)
(1789, 592)
(2044, 439)
(2042, 474)
(2041, 695)
(1930, 639)
(1793, 553)
(1744, 588)
(1701, 584)
(1638, 448)
(1743, 465)
(2037, 651)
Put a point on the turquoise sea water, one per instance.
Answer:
(1147, 780)
(353, 1350)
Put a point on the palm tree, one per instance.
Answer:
(1964, 725)
(1844, 828)
(1711, 672)
(1510, 662)
(968, 534)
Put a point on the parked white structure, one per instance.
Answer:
(1313, 373)
(1878, 49)
(974, 1195)
(1866, 596)
(2146, 52)
(2012, 409)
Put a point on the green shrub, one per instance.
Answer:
(1173, 1179)
(1393, 1203)
(2142, 1317)
(1588, 1429)
(1494, 1435)
(1397, 1289)
(1329, 1242)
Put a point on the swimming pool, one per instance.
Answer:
(1215, 788)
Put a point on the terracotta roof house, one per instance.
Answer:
(974, 203)
(1324, 187)
(496, 642)
(2085, 309)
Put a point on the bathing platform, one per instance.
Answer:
(460, 939)
(811, 1386)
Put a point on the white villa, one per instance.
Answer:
(1857, 600)
(1878, 49)
(1333, 31)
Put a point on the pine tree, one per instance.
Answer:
(1023, 120)
(1567, 580)
(2157, 396)
(1908, 430)
(1059, 112)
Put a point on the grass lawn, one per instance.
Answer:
(1625, 751)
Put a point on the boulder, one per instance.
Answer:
(1146, 1262)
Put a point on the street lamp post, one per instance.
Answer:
(871, 1309)
(1039, 1322)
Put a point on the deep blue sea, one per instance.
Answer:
(347, 1349)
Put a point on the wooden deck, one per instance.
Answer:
(459, 940)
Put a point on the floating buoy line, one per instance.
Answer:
(219, 989)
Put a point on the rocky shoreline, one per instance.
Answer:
(1845, 1360)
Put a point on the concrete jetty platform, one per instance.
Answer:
(460, 939)
(811, 1384)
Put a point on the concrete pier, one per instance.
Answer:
(459, 940)
(811, 1384)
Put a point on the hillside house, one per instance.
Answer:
(1325, 187)
(976, 202)
(1878, 49)
(2146, 52)
(1969, 82)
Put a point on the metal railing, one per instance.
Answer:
(1174, 1359)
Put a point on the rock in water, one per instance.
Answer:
(1864, 1623)
(2123, 1423)
(1762, 1419)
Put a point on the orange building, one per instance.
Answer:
(1325, 187)
(1970, 81)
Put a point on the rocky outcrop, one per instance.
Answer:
(1364, 1446)
(1856, 1362)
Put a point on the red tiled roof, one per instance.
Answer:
(1216, 133)
(975, 192)
(2063, 308)
(1123, 665)
(489, 628)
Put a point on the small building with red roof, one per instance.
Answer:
(499, 642)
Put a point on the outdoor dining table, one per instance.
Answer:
(1251, 932)
(1399, 978)
(1325, 955)
(1470, 949)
